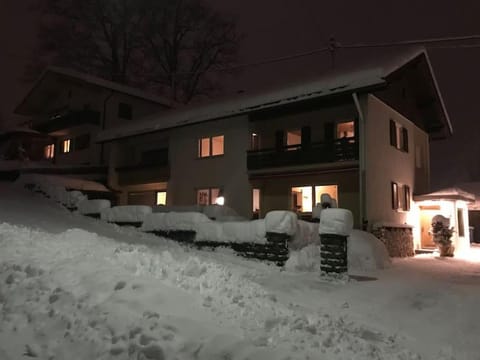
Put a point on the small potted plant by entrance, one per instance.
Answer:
(442, 235)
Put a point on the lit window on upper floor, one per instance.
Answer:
(211, 146)
(66, 146)
(345, 130)
(49, 151)
(294, 139)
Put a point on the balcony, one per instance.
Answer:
(69, 119)
(345, 149)
(153, 167)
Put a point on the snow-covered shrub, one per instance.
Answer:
(89, 207)
(176, 209)
(305, 259)
(172, 221)
(366, 252)
(126, 213)
(336, 221)
(306, 234)
(282, 222)
(234, 232)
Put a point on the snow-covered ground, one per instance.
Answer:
(77, 288)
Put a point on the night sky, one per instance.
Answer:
(275, 28)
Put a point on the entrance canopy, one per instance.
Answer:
(452, 193)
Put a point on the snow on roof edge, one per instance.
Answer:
(247, 103)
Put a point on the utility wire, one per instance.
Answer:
(408, 42)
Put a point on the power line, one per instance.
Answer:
(408, 42)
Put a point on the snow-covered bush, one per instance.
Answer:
(306, 234)
(366, 252)
(336, 221)
(282, 222)
(90, 207)
(232, 232)
(172, 221)
(126, 213)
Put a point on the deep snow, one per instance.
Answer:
(77, 288)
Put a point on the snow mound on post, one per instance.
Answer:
(282, 222)
(336, 221)
(87, 207)
(172, 221)
(126, 213)
(366, 252)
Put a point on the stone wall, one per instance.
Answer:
(398, 240)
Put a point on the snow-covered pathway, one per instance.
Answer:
(70, 289)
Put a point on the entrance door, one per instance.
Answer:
(426, 215)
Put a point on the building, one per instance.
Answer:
(72, 107)
(360, 136)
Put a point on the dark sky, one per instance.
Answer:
(275, 28)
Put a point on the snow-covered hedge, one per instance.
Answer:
(173, 221)
(336, 221)
(282, 222)
(126, 213)
(217, 212)
(232, 232)
(90, 207)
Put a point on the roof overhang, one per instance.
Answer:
(54, 80)
(452, 194)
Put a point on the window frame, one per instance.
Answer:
(67, 146)
(209, 189)
(49, 151)
(399, 136)
(210, 146)
(394, 196)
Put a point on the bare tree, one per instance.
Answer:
(169, 45)
(185, 40)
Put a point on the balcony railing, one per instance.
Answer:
(69, 119)
(143, 173)
(344, 149)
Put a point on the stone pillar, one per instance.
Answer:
(335, 227)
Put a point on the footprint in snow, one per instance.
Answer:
(120, 285)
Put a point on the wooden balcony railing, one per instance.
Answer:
(314, 153)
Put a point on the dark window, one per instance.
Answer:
(125, 111)
(393, 133)
(394, 196)
(461, 224)
(82, 142)
(406, 198)
(404, 139)
(306, 137)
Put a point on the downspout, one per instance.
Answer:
(362, 161)
(104, 120)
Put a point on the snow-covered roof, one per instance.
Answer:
(246, 103)
(365, 77)
(474, 188)
(452, 193)
(91, 80)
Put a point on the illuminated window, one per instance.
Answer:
(345, 129)
(305, 197)
(161, 198)
(294, 139)
(217, 145)
(208, 196)
(66, 145)
(49, 151)
(256, 200)
(211, 146)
